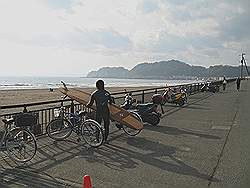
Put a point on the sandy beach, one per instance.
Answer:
(8, 97)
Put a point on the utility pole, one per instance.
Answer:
(243, 63)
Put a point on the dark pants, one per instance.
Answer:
(224, 86)
(105, 116)
(238, 86)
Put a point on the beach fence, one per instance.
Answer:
(45, 110)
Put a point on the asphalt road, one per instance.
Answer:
(204, 144)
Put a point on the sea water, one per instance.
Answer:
(7, 83)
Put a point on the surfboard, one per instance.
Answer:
(117, 113)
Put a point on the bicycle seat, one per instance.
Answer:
(8, 121)
(83, 113)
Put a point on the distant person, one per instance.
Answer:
(224, 83)
(238, 83)
(101, 98)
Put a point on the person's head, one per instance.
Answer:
(100, 84)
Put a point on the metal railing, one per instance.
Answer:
(45, 110)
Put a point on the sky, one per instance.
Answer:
(73, 37)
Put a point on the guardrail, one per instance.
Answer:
(45, 110)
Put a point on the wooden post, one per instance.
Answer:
(72, 107)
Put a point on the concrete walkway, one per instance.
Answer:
(204, 144)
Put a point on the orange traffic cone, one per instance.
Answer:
(86, 182)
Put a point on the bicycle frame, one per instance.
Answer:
(73, 118)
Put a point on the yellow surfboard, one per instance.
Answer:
(117, 113)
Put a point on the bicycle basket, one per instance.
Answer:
(25, 120)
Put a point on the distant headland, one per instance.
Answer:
(172, 69)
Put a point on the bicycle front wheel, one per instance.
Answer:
(59, 129)
(21, 145)
(92, 133)
(130, 131)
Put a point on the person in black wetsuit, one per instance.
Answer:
(101, 97)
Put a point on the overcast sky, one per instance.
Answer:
(72, 37)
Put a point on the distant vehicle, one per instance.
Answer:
(209, 87)
(179, 98)
(148, 112)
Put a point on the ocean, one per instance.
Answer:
(10, 83)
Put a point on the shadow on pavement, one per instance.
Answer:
(196, 107)
(51, 154)
(115, 156)
(32, 174)
(112, 158)
(178, 131)
(119, 158)
(19, 177)
(154, 151)
(174, 109)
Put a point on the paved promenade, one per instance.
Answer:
(204, 144)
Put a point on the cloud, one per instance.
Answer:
(237, 28)
(60, 4)
(148, 6)
(122, 33)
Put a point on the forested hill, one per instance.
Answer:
(172, 69)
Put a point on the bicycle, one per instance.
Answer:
(131, 131)
(66, 123)
(19, 142)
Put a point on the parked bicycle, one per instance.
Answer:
(18, 141)
(65, 123)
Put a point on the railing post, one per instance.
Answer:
(142, 97)
(155, 91)
(25, 109)
(72, 107)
